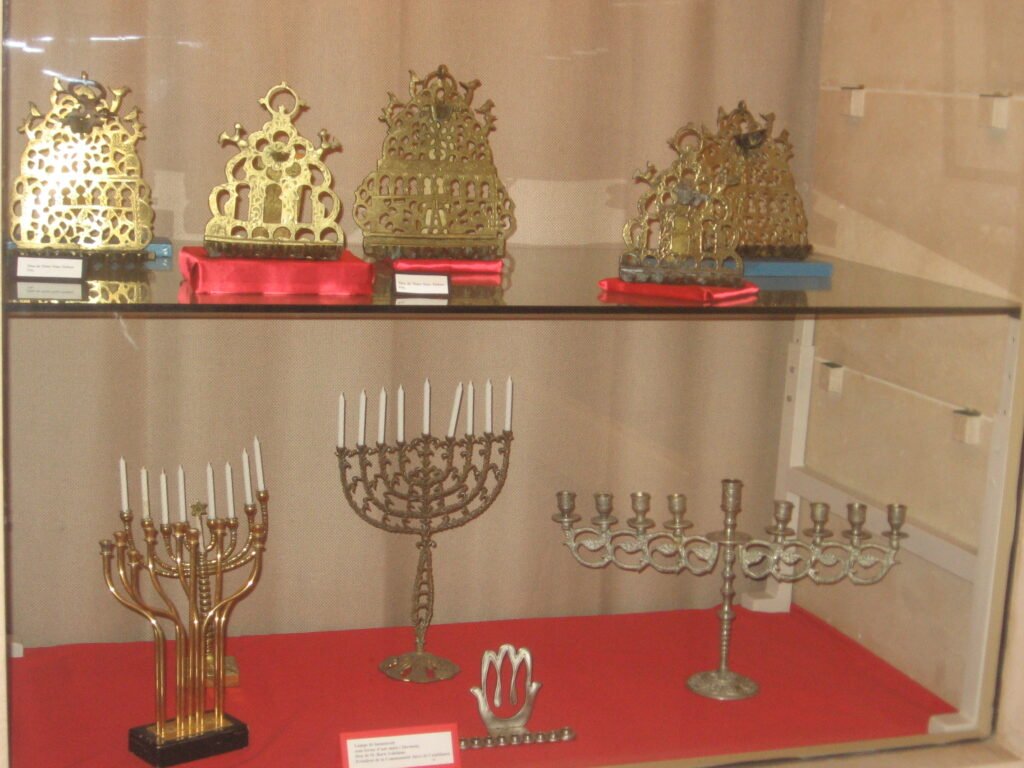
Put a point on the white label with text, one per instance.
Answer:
(421, 285)
(410, 750)
(59, 269)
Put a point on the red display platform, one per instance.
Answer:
(614, 290)
(348, 276)
(619, 681)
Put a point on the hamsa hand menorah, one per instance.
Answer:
(198, 557)
(422, 487)
(502, 674)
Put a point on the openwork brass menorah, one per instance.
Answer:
(424, 486)
(198, 554)
(782, 556)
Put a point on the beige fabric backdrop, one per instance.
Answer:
(585, 92)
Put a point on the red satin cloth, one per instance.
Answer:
(349, 276)
(619, 681)
(619, 291)
(449, 266)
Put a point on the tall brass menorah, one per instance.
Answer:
(198, 554)
(422, 487)
(782, 556)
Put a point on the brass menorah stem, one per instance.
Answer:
(782, 556)
(424, 486)
(423, 591)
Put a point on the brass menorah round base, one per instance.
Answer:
(419, 667)
(724, 685)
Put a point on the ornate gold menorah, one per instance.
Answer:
(422, 487)
(782, 556)
(198, 557)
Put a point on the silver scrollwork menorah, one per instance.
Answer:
(782, 556)
(424, 486)
(198, 557)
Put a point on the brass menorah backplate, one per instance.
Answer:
(80, 185)
(684, 230)
(277, 199)
(767, 207)
(436, 190)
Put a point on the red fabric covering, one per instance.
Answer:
(449, 266)
(480, 279)
(619, 681)
(619, 291)
(349, 276)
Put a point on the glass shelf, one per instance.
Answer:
(547, 281)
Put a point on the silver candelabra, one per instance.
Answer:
(424, 486)
(782, 556)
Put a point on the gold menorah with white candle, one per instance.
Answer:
(423, 486)
(198, 552)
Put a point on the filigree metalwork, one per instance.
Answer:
(436, 191)
(424, 486)
(509, 731)
(639, 548)
(685, 230)
(767, 208)
(277, 200)
(118, 291)
(197, 558)
(782, 556)
(80, 186)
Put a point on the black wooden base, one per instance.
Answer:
(142, 742)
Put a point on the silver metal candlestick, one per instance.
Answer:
(423, 487)
(782, 556)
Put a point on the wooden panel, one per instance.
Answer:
(893, 445)
(948, 358)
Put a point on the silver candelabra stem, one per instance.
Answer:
(782, 556)
(723, 683)
(422, 487)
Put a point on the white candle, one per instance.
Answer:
(488, 396)
(382, 412)
(144, 479)
(341, 420)
(182, 511)
(163, 498)
(469, 409)
(401, 414)
(426, 406)
(246, 478)
(211, 500)
(361, 432)
(508, 405)
(124, 485)
(258, 456)
(229, 485)
(456, 403)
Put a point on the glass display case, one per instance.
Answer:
(893, 379)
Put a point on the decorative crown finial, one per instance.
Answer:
(277, 200)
